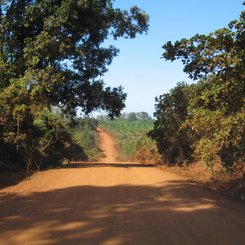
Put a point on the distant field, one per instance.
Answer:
(132, 137)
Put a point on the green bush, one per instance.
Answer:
(219, 138)
(174, 143)
(146, 151)
(85, 134)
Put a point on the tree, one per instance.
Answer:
(217, 138)
(52, 54)
(171, 111)
(132, 116)
(143, 116)
(214, 111)
(55, 47)
(221, 52)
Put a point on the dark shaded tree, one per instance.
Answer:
(171, 111)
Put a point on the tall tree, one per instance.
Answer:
(52, 53)
(55, 47)
(213, 122)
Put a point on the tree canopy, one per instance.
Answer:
(52, 53)
(205, 120)
(220, 52)
(53, 49)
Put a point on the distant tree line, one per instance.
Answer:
(206, 120)
(129, 116)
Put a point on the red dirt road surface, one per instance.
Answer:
(117, 204)
(108, 146)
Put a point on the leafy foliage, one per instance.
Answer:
(171, 111)
(205, 120)
(85, 134)
(220, 52)
(56, 141)
(217, 137)
(49, 144)
(54, 48)
(146, 151)
(52, 54)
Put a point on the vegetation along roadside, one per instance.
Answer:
(130, 130)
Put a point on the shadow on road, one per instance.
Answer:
(175, 212)
(115, 165)
(8, 178)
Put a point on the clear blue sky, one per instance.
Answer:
(139, 67)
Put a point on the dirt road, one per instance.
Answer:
(116, 204)
(109, 147)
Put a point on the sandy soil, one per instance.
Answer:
(116, 204)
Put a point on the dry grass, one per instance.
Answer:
(232, 184)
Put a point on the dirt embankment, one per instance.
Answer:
(232, 184)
